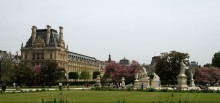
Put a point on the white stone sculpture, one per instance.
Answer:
(182, 78)
(123, 82)
(182, 68)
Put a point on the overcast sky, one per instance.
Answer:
(135, 29)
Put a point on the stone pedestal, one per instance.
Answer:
(136, 84)
(145, 82)
(182, 81)
(192, 84)
(98, 84)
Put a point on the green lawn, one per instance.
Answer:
(87, 96)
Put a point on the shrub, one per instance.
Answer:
(37, 90)
(73, 75)
(130, 88)
(31, 91)
(150, 90)
(42, 90)
(164, 90)
(60, 87)
(55, 101)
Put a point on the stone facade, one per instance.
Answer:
(48, 44)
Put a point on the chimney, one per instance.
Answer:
(22, 45)
(34, 33)
(61, 42)
(48, 34)
(61, 34)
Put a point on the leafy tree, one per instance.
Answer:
(168, 66)
(85, 75)
(207, 65)
(73, 75)
(94, 76)
(38, 77)
(6, 66)
(216, 60)
(209, 75)
(50, 72)
(23, 75)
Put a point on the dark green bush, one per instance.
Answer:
(95, 74)
(73, 75)
(150, 90)
(164, 90)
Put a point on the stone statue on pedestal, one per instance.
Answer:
(193, 65)
(141, 79)
(123, 82)
(182, 78)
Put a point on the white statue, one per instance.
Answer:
(143, 73)
(182, 67)
(136, 76)
(191, 74)
(123, 82)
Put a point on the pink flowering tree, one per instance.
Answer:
(208, 75)
(116, 71)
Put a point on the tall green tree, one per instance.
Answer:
(216, 60)
(23, 75)
(6, 66)
(207, 65)
(50, 72)
(168, 66)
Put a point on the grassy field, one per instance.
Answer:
(88, 96)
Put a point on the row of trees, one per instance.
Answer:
(21, 74)
(168, 67)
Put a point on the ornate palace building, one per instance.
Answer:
(48, 44)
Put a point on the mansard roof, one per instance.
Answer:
(42, 33)
(73, 55)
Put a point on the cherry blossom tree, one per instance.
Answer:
(209, 75)
(116, 71)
